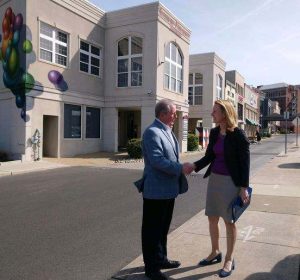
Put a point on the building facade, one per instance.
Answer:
(83, 80)
(206, 84)
(251, 107)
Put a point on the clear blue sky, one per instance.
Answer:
(258, 38)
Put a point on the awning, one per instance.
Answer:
(250, 122)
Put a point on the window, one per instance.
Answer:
(173, 69)
(90, 59)
(130, 62)
(53, 45)
(219, 87)
(92, 122)
(72, 121)
(195, 89)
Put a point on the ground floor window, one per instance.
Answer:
(72, 121)
(92, 122)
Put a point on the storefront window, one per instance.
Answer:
(173, 69)
(92, 122)
(130, 62)
(72, 121)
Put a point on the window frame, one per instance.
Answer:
(54, 42)
(90, 55)
(129, 58)
(194, 86)
(219, 86)
(167, 79)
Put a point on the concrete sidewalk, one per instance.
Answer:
(268, 244)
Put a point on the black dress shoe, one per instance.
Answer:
(216, 259)
(156, 275)
(223, 273)
(169, 264)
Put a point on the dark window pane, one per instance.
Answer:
(136, 45)
(92, 123)
(123, 80)
(84, 58)
(95, 50)
(62, 60)
(122, 65)
(62, 37)
(123, 47)
(190, 79)
(136, 64)
(136, 79)
(84, 67)
(84, 46)
(95, 70)
(198, 78)
(72, 121)
(61, 49)
(95, 61)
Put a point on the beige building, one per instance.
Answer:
(251, 111)
(238, 80)
(206, 84)
(83, 80)
(230, 93)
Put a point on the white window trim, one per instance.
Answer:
(177, 66)
(54, 41)
(219, 87)
(100, 57)
(193, 85)
(129, 57)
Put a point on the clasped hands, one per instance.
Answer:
(188, 168)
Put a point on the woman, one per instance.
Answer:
(229, 159)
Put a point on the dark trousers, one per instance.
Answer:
(157, 216)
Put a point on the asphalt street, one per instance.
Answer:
(84, 222)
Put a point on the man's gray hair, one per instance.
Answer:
(163, 106)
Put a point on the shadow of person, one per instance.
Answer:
(288, 268)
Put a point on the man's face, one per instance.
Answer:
(169, 118)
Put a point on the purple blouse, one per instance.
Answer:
(219, 165)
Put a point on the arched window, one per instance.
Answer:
(195, 89)
(130, 62)
(173, 68)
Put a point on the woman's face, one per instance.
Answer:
(218, 115)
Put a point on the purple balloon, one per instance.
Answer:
(55, 77)
(18, 22)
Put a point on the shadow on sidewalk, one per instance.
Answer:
(288, 268)
(291, 165)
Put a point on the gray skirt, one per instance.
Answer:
(221, 191)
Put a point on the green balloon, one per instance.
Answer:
(27, 46)
(28, 81)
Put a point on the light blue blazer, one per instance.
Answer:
(162, 172)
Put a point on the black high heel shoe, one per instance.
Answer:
(223, 273)
(216, 259)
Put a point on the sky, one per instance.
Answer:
(258, 38)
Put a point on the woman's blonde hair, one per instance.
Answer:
(229, 111)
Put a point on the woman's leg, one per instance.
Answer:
(231, 233)
(214, 236)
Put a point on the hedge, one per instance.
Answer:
(193, 142)
(134, 148)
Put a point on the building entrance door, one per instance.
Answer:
(50, 136)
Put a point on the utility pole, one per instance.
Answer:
(286, 117)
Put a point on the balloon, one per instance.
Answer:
(55, 77)
(8, 12)
(20, 101)
(5, 24)
(16, 38)
(18, 21)
(28, 81)
(27, 46)
(13, 62)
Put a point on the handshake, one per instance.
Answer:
(188, 168)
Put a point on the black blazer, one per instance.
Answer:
(236, 153)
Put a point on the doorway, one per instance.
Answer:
(50, 136)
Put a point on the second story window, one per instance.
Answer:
(130, 62)
(195, 89)
(53, 45)
(219, 90)
(90, 59)
(173, 69)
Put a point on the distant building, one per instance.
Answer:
(206, 84)
(251, 111)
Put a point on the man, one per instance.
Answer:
(163, 181)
